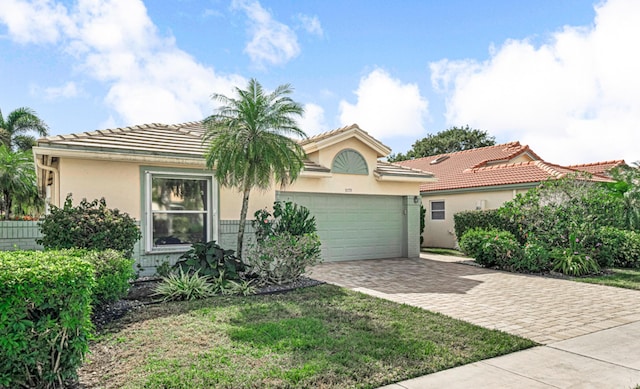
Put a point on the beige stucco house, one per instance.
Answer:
(364, 207)
(484, 178)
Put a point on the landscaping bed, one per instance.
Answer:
(322, 336)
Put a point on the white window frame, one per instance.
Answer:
(210, 213)
(443, 210)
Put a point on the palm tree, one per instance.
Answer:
(249, 144)
(14, 131)
(17, 178)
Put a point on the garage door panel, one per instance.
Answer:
(354, 226)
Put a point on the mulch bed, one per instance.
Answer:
(142, 292)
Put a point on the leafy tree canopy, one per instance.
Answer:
(447, 141)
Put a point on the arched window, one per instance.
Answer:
(349, 162)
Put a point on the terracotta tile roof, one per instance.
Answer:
(334, 135)
(598, 167)
(489, 166)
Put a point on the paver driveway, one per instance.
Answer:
(545, 310)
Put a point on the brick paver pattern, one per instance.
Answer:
(543, 309)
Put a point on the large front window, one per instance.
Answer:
(179, 210)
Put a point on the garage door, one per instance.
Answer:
(355, 226)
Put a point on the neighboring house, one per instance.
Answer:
(364, 208)
(484, 178)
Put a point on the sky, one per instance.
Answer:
(562, 76)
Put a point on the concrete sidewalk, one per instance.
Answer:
(605, 359)
(590, 333)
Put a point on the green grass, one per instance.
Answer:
(621, 278)
(323, 336)
(436, 250)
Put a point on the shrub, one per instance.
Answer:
(423, 216)
(485, 219)
(89, 225)
(492, 247)
(283, 258)
(613, 247)
(184, 286)
(573, 261)
(558, 208)
(113, 273)
(287, 218)
(209, 259)
(535, 259)
(45, 322)
(472, 240)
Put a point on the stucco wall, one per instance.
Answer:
(440, 233)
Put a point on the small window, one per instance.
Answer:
(437, 210)
(179, 210)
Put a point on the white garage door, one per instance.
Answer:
(355, 226)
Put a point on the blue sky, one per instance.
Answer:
(559, 75)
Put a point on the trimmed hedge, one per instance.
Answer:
(492, 248)
(485, 219)
(45, 322)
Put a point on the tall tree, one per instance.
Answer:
(14, 131)
(447, 141)
(17, 178)
(249, 143)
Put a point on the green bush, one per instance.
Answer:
(613, 247)
(283, 258)
(113, 273)
(472, 240)
(558, 208)
(209, 259)
(287, 218)
(492, 248)
(423, 216)
(45, 317)
(535, 259)
(89, 225)
(485, 219)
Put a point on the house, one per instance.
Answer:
(364, 207)
(484, 178)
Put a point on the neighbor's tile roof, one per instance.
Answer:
(488, 166)
(598, 167)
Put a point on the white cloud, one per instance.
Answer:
(38, 21)
(65, 91)
(272, 42)
(313, 121)
(311, 24)
(149, 78)
(574, 99)
(386, 107)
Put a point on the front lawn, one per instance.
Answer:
(621, 278)
(322, 336)
(440, 251)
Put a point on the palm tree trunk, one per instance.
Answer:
(243, 219)
(7, 204)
